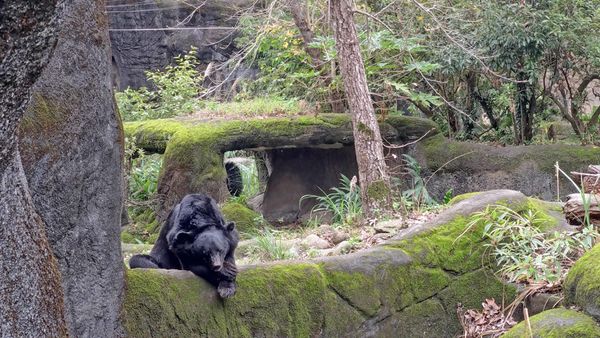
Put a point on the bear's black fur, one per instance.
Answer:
(195, 237)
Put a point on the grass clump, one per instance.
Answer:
(259, 106)
(268, 247)
(343, 202)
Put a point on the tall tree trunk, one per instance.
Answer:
(372, 170)
(31, 296)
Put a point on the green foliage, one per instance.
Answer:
(143, 177)
(342, 202)
(268, 247)
(175, 92)
(417, 195)
(523, 251)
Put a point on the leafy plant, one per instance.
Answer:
(342, 202)
(417, 195)
(143, 177)
(523, 252)
(175, 92)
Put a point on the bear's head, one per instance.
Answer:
(207, 248)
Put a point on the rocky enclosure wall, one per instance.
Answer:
(408, 287)
(140, 41)
(71, 142)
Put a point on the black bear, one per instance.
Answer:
(195, 237)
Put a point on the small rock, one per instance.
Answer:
(339, 249)
(327, 232)
(314, 241)
(339, 237)
(382, 236)
(389, 227)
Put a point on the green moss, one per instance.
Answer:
(416, 321)
(474, 157)
(582, 285)
(463, 197)
(356, 288)
(378, 191)
(474, 287)
(157, 305)
(277, 300)
(127, 237)
(246, 220)
(363, 128)
(557, 323)
(152, 135)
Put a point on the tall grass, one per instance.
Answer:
(342, 202)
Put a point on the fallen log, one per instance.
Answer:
(575, 208)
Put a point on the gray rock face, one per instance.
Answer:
(71, 141)
(140, 42)
(301, 171)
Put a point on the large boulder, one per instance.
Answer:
(468, 166)
(556, 323)
(71, 144)
(582, 285)
(408, 287)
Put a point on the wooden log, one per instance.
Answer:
(575, 210)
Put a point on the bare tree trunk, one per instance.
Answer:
(372, 170)
(298, 10)
(31, 296)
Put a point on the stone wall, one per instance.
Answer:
(140, 42)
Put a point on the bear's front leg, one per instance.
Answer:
(226, 287)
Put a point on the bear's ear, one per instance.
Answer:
(230, 226)
(182, 237)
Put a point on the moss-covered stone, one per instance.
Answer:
(411, 284)
(193, 160)
(468, 166)
(463, 197)
(556, 323)
(582, 285)
(246, 219)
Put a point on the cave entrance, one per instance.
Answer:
(273, 181)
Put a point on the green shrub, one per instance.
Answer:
(175, 92)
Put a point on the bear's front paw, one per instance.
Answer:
(229, 270)
(226, 289)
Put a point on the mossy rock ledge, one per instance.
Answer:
(408, 287)
(582, 285)
(193, 149)
(469, 166)
(557, 323)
